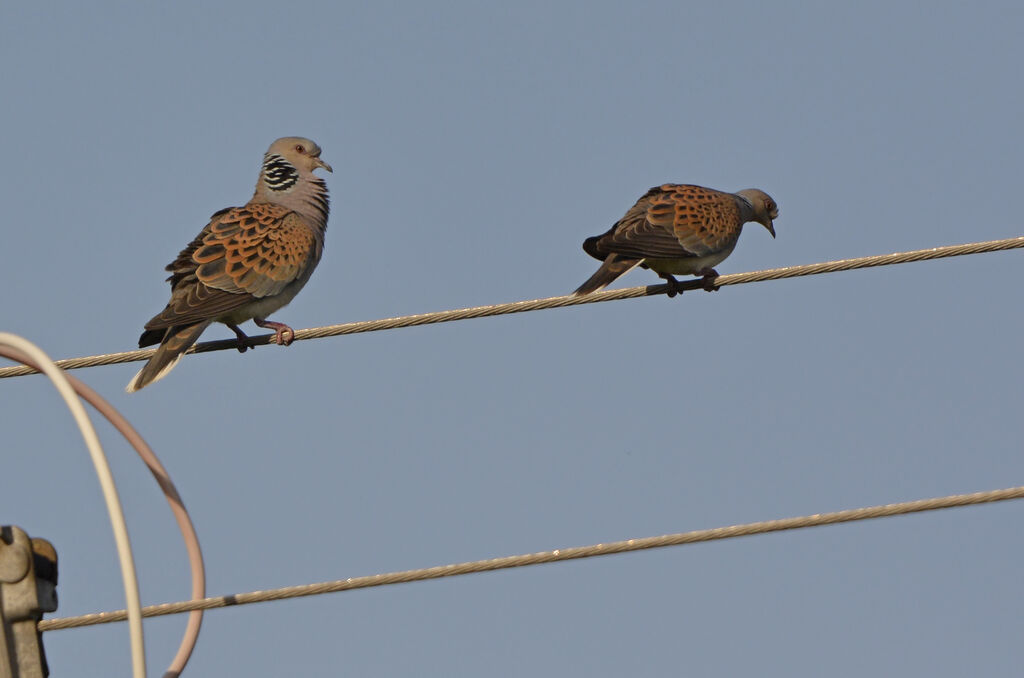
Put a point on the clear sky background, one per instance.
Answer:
(475, 146)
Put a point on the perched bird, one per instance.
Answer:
(677, 229)
(248, 262)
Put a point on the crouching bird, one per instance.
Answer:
(677, 229)
(248, 262)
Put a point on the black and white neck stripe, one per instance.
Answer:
(278, 173)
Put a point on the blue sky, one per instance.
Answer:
(475, 146)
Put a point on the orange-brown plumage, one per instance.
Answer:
(677, 229)
(248, 261)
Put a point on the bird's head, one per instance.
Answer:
(764, 209)
(301, 153)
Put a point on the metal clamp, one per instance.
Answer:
(28, 588)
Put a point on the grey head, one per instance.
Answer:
(763, 209)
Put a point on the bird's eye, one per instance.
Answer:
(299, 148)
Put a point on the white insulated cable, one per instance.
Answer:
(99, 460)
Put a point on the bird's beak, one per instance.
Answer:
(771, 227)
(317, 162)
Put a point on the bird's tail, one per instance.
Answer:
(174, 344)
(612, 268)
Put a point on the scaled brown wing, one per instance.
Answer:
(673, 222)
(243, 254)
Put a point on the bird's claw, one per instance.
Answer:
(708, 280)
(283, 335)
(243, 339)
(674, 286)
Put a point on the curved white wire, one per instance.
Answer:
(99, 460)
(163, 479)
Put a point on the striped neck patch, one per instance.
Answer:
(278, 173)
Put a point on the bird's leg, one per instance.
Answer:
(243, 338)
(708, 279)
(674, 286)
(283, 335)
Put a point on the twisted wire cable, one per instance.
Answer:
(554, 556)
(550, 302)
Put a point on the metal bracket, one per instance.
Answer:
(28, 587)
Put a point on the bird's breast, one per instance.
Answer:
(687, 266)
(261, 308)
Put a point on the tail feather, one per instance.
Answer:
(612, 268)
(150, 337)
(171, 349)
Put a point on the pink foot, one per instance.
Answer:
(283, 335)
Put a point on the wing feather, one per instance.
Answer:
(672, 221)
(244, 254)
